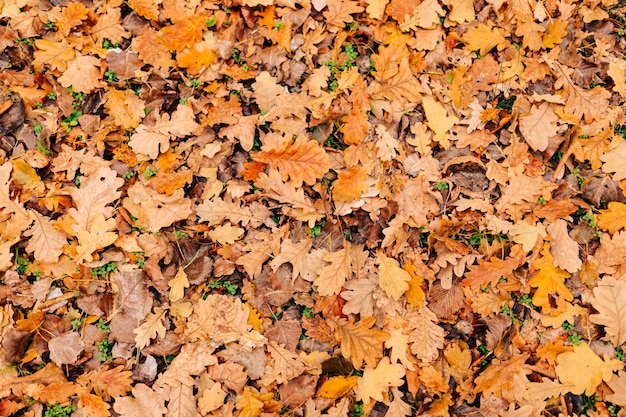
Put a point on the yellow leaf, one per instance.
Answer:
(557, 30)
(584, 369)
(438, 120)
(392, 279)
(375, 383)
(549, 284)
(337, 386)
(254, 319)
(415, 295)
(178, 285)
(126, 108)
(226, 234)
(484, 38)
(613, 218)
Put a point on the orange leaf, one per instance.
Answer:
(350, 184)
(355, 127)
(557, 30)
(613, 218)
(183, 33)
(549, 284)
(337, 386)
(359, 342)
(302, 161)
(584, 369)
(484, 38)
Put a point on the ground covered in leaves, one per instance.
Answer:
(326, 207)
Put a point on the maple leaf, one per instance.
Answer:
(144, 403)
(613, 218)
(609, 299)
(359, 342)
(613, 161)
(376, 381)
(548, 280)
(585, 370)
(339, 12)
(301, 161)
(484, 38)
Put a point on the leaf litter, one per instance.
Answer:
(334, 207)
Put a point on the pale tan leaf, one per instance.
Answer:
(609, 299)
(144, 403)
(46, 242)
(359, 342)
(331, 277)
(585, 370)
(297, 255)
(65, 349)
(563, 247)
(538, 126)
(425, 338)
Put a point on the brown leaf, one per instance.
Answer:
(65, 349)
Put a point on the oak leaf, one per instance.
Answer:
(109, 26)
(330, 278)
(557, 30)
(301, 161)
(216, 210)
(144, 403)
(146, 8)
(155, 211)
(426, 337)
(613, 218)
(350, 184)
(126, 108)
(46, 242)
(359, 342)
(226, 234)
(507, 379)
(585, 370)
(392, 279)
(177, 285)
(359, 294)
(618, 385)
(297, 254)
(609, 299)
(613, 161)
(376, 382)
(93, 405)
(107, 383)
(54, 55)
(551, 294)
(563, 248)
(538, 126)
(82, 74)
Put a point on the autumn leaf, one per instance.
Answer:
(339, 13)
(506, 378)
(613, 162)
(613, 218)
(82, 74)
(438, 120)
(376, 381)
(107, 383)
(65, 349)
(538, 126)
(126, 108)
(178, 285)
(484, 38)
(585, 370)
(551, 294)
(337, 387)
(144, 403)
(359, 342)
(609, 300)
(330, 278)
(392, 279)
(301, 161)
(53, 54)
(350, 185)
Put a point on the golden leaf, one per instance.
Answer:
(375, 383)
(392, 279)
(585, 370)
(484, 38)
(549, 283)
(609, 299)
(350, 185)
(337, 386)
(177, 285)
(438, 121)
(613, 218)
(359, 342)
